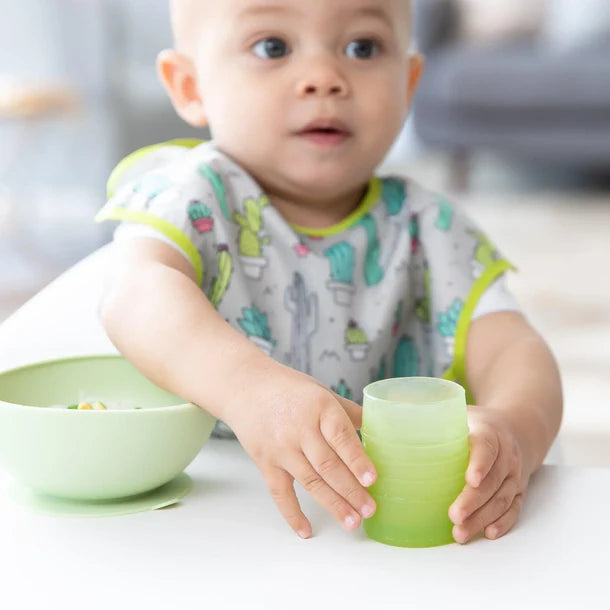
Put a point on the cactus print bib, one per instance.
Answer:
(389, 292)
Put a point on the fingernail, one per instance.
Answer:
(367, 511)
(459, 535)
(350, 522)
(456, 515)
(368, 478)
(303, 534)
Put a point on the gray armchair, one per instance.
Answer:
(513, 98)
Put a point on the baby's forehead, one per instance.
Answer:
(188, 11)
(186, 16)
(189, 15)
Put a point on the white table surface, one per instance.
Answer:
(227, 544)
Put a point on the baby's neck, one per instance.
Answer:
(317, 213)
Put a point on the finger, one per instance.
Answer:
(506, 521)
(484, 451)
(473, 498)
(353, 410)
(493, 510)
(281, 488)
(342, 438)
(305, 474)
(337, 475)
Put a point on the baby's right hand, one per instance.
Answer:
(296, 429)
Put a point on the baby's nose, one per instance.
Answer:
(322, 78)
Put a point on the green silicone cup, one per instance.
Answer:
(421, 467)
(95, 455)
(415, 411)
(431, 454)
(423, 471)
(418, 490)
(410, 523)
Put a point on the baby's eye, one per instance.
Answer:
(363, 48)
(271, 48)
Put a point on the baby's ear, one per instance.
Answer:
(178, 75)
(416, 68)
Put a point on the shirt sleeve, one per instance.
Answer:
(496, 298)
(177, 202)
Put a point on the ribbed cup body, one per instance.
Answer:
(415, 431)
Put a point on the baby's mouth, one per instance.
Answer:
(325, 133)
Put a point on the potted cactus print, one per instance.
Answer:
(447, 324)
(148, 188)
(255, 324)
(200, 216)
(414, 233)
(445, 216)
(303, 307)
(343, 390)
(356, 342)
(406, 359)
(250, 240)
(394, 195)
(342, 262)
(221, 281)
(422, 306)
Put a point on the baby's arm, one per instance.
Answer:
(293, 427)
(516, 385)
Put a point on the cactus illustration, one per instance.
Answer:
(393, 195)
(445, 216)
(422, 309)
(152, 185)
(304, 309)
(342, 263)
(447, 320)
(225, 269)
(354, 335)
(380, 373)
(250, 244)
(356, 341)
(255, 324)
(343, 390)
(215, 180)
(406, 361)
(200, 216)
(301, 249)
(414, 232)
(373, 273)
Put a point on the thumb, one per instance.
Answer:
(353, 410)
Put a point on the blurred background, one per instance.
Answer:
(512, 121)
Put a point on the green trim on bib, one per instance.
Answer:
(138, 155)
(373, 195)
(165, 227)
(457, 371)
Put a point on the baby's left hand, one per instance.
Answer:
(496, 478)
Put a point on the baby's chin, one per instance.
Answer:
(320, 189)
(321, 181)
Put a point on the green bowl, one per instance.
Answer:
(95, 455)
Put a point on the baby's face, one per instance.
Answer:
(306, 96)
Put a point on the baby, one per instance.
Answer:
(269, 275)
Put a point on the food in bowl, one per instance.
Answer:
(95, 454)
